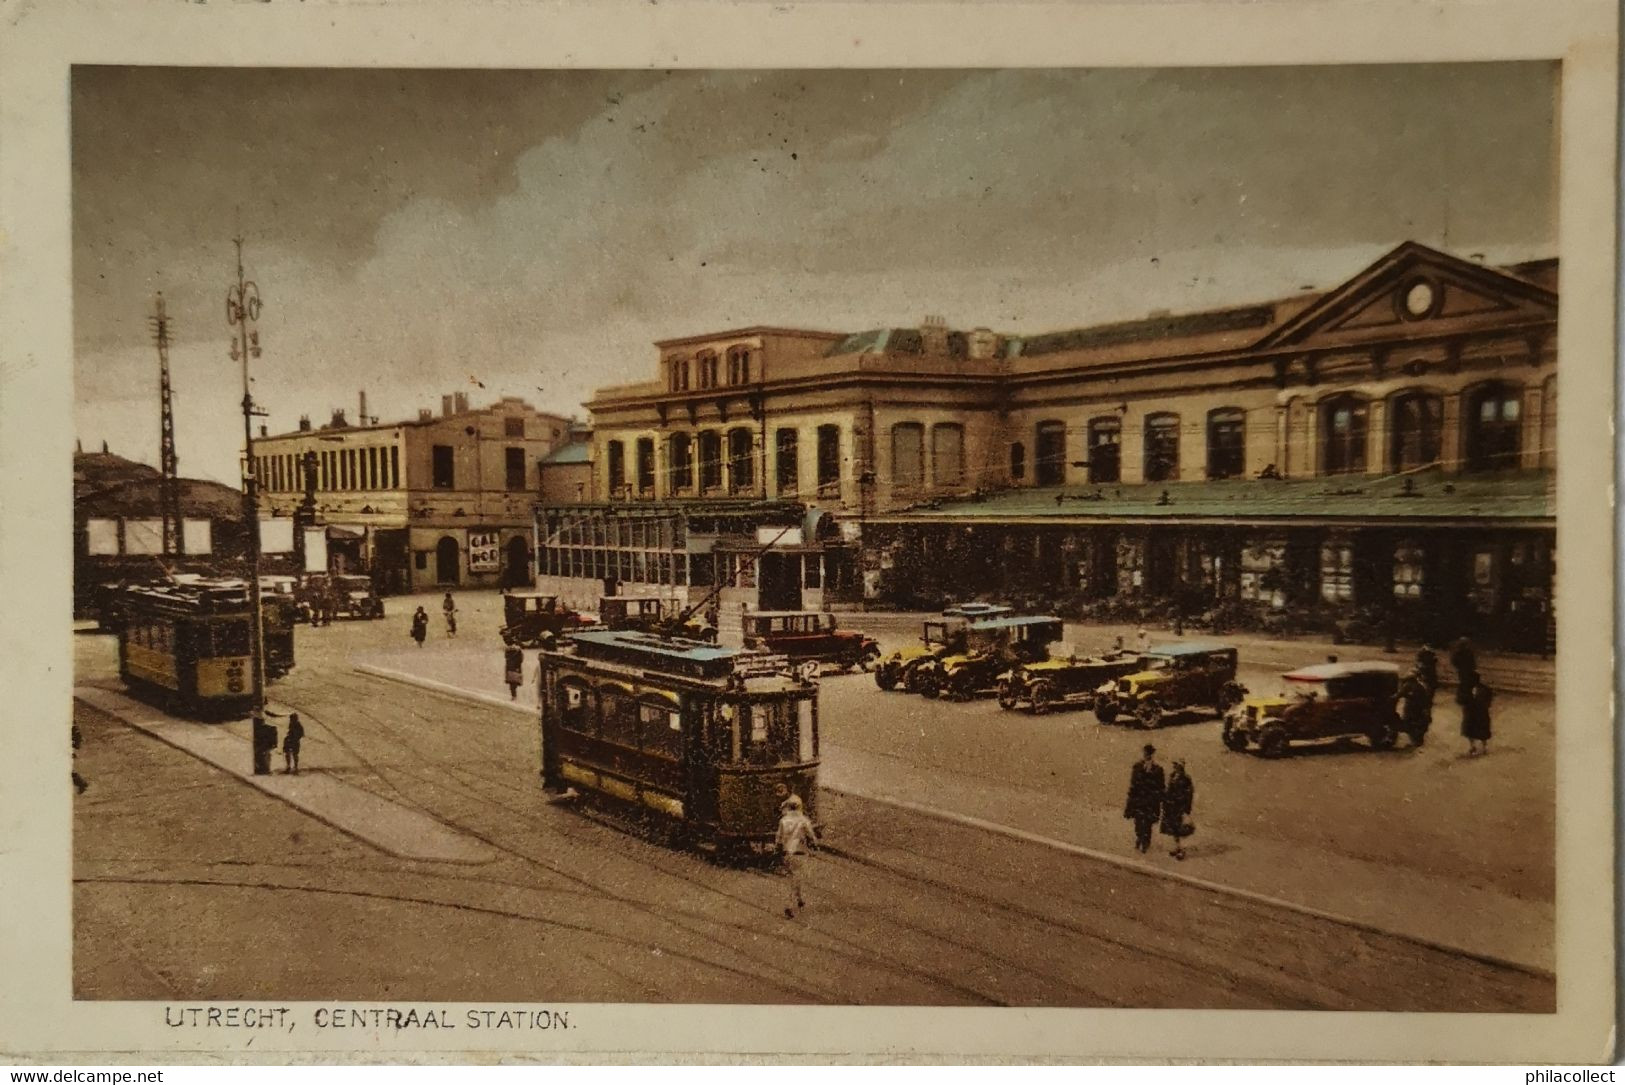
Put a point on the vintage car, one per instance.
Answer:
(532, 619)
(937, 639)
(1064, 680)
(652, 615)
(1175, 677)
(346, 595)
(1330, 700)
(978, 610)
(992, 647)
(809, 637)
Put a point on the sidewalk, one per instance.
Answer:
(1438, 910)
(388, 826)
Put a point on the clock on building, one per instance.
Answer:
(1419, 299)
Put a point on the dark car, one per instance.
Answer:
(805, 636)
(651, 615)
(1064, 681)
(1175, 677)
(992, 647)
(532, 619)
(1331, 700)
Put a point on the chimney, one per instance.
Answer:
(983, 344)
(104, 448)
(361, 408)
(424, 414)
(262, 432)
(338, 421)
(445, 407)
(934, 334)
(304, 423)
(460, 401)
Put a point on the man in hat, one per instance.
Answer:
(1145, 793)
(797, 837)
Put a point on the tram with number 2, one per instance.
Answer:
(188, 644)
(709, 738)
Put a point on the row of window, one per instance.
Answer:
(705, 455)
(444, 468)
(703, 370)
(374, 468)
(756, 732)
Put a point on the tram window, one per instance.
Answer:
(772, 734)
(231, 639)
(807, 741)
(574, 712)
(662, 730)
(618, 718)
(728, 718)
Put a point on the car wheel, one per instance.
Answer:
(1148, 713)
(1006, 696)
(926, 684)
(1234, 739)
(1273, 742)
(868, 660)
(886, 677)
(1043, 697)
(1105, 711)
(1382, 736)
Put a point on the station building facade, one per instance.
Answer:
(443, 500)
(1226, 465)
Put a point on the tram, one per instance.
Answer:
(710, 738)
(188, 643)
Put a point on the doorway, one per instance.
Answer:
(445, 560)
(778, 585)
(516, 565)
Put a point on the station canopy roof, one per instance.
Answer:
(1431, 496)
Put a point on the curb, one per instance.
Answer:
(1050, 842)
(1184, 879)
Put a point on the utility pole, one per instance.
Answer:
(169, 487)
(242, 311)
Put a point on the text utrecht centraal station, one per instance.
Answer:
(376, 1018)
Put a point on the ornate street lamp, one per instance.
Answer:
(242, 311)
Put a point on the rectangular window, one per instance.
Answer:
(513, 461)
(1336, 572)
(908, 455)
(1162, 448)
(948, 454)
(661, 730)
(829, 458)
(445, 475)
(682, 462)
(513, 427)
(615, 464)
(1049, 454)
(710, 460)
(789, 468)
(372, 468)
(741, 462)
(814, 576)
(646, 465)
(394, 467)
(1226, 443)
(1409, 575)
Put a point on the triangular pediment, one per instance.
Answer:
(1416, 291)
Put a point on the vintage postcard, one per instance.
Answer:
(927, 530)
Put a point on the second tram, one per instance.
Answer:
(714, 739)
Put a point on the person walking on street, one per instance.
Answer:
(290, 744)
(1475, 718)
(1465, 663)
(450, 607)
(513, 666)
(420, 626)
(1145, 792)
(797, 837)
(1427, 666)
(1143, 640)
(1177, 800)
(1415, 706)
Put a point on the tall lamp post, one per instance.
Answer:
(242, 311)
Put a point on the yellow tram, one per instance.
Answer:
(713, 738)
(189, 644)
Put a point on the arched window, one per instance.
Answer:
(740, 463)
(616, 462)
(1018, 461)
(1415, 422)
(948, 454)
(705, 369)
(681, 455)
(1161, 447)
(710, 460)
(646, 465)
(677, 379)
(787, 459)
(1343, 435)
(1494, 422)
(1226, 442)
(908, 455)
(738, 365)
(829, 458)
(1105, 449)
(1049, 452)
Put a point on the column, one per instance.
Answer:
(1530, 439)
(1376, 437)
(1452, 449)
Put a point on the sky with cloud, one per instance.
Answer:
(532, 233)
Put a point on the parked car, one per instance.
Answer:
(1330, 700)
(937, 639)
(1176, 676)
(992, 647)
(805, 636)
(1064, 681)
(350, 595)
(651, 615)
(532, 619)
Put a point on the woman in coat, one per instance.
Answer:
(1475, 718)
(291, 742)
(1177, 800)
(513, 667)
(420, 626)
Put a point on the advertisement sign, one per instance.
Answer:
(101, 536)
(484, 551)
(276, 535)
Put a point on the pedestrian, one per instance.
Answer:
(290, 744)
(1415, 705)
(1427, 666)
(79, 783)
(1143, 639)
(514, 670)
(420, 626)
(797, 838)
(1465, 663)
(1145, 791)
(449, 606)
(1177, 801)
(1475, 718)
